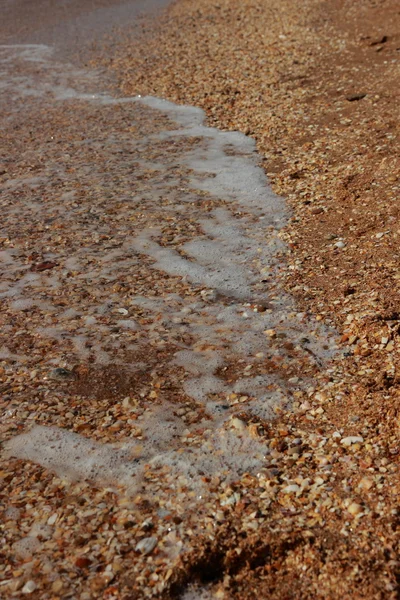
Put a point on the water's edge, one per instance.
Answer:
(236, 343)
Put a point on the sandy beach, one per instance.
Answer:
(198, 372)
(316, 86)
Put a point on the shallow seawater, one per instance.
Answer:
(137, 240)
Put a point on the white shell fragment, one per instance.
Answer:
(146, 545)
(352, 439)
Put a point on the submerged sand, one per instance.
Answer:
(147, 340)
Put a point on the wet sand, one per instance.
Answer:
(70, 26)
(147, 342)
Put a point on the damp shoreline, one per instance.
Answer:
(149, 343)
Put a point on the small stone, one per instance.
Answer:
(305, 406)
(82, 562)
(355, 97)
(146, 545)
(270, 332)
(44, 266)
(253, 431)
(16, 584)
(340, 244)
(355, 509)
(238, 424)
(61, 374)
(57, 586)
(29, 587)
(108, 574)
(230, 501)
(147, 525)
(291, 489)
(128, 402)
(366, 483)
(51, 520)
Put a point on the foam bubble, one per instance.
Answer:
(128, 324)
(13, 513)
(72, 456)
(77, 458)
(194, 592)
(22, 304)
(26, 547)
